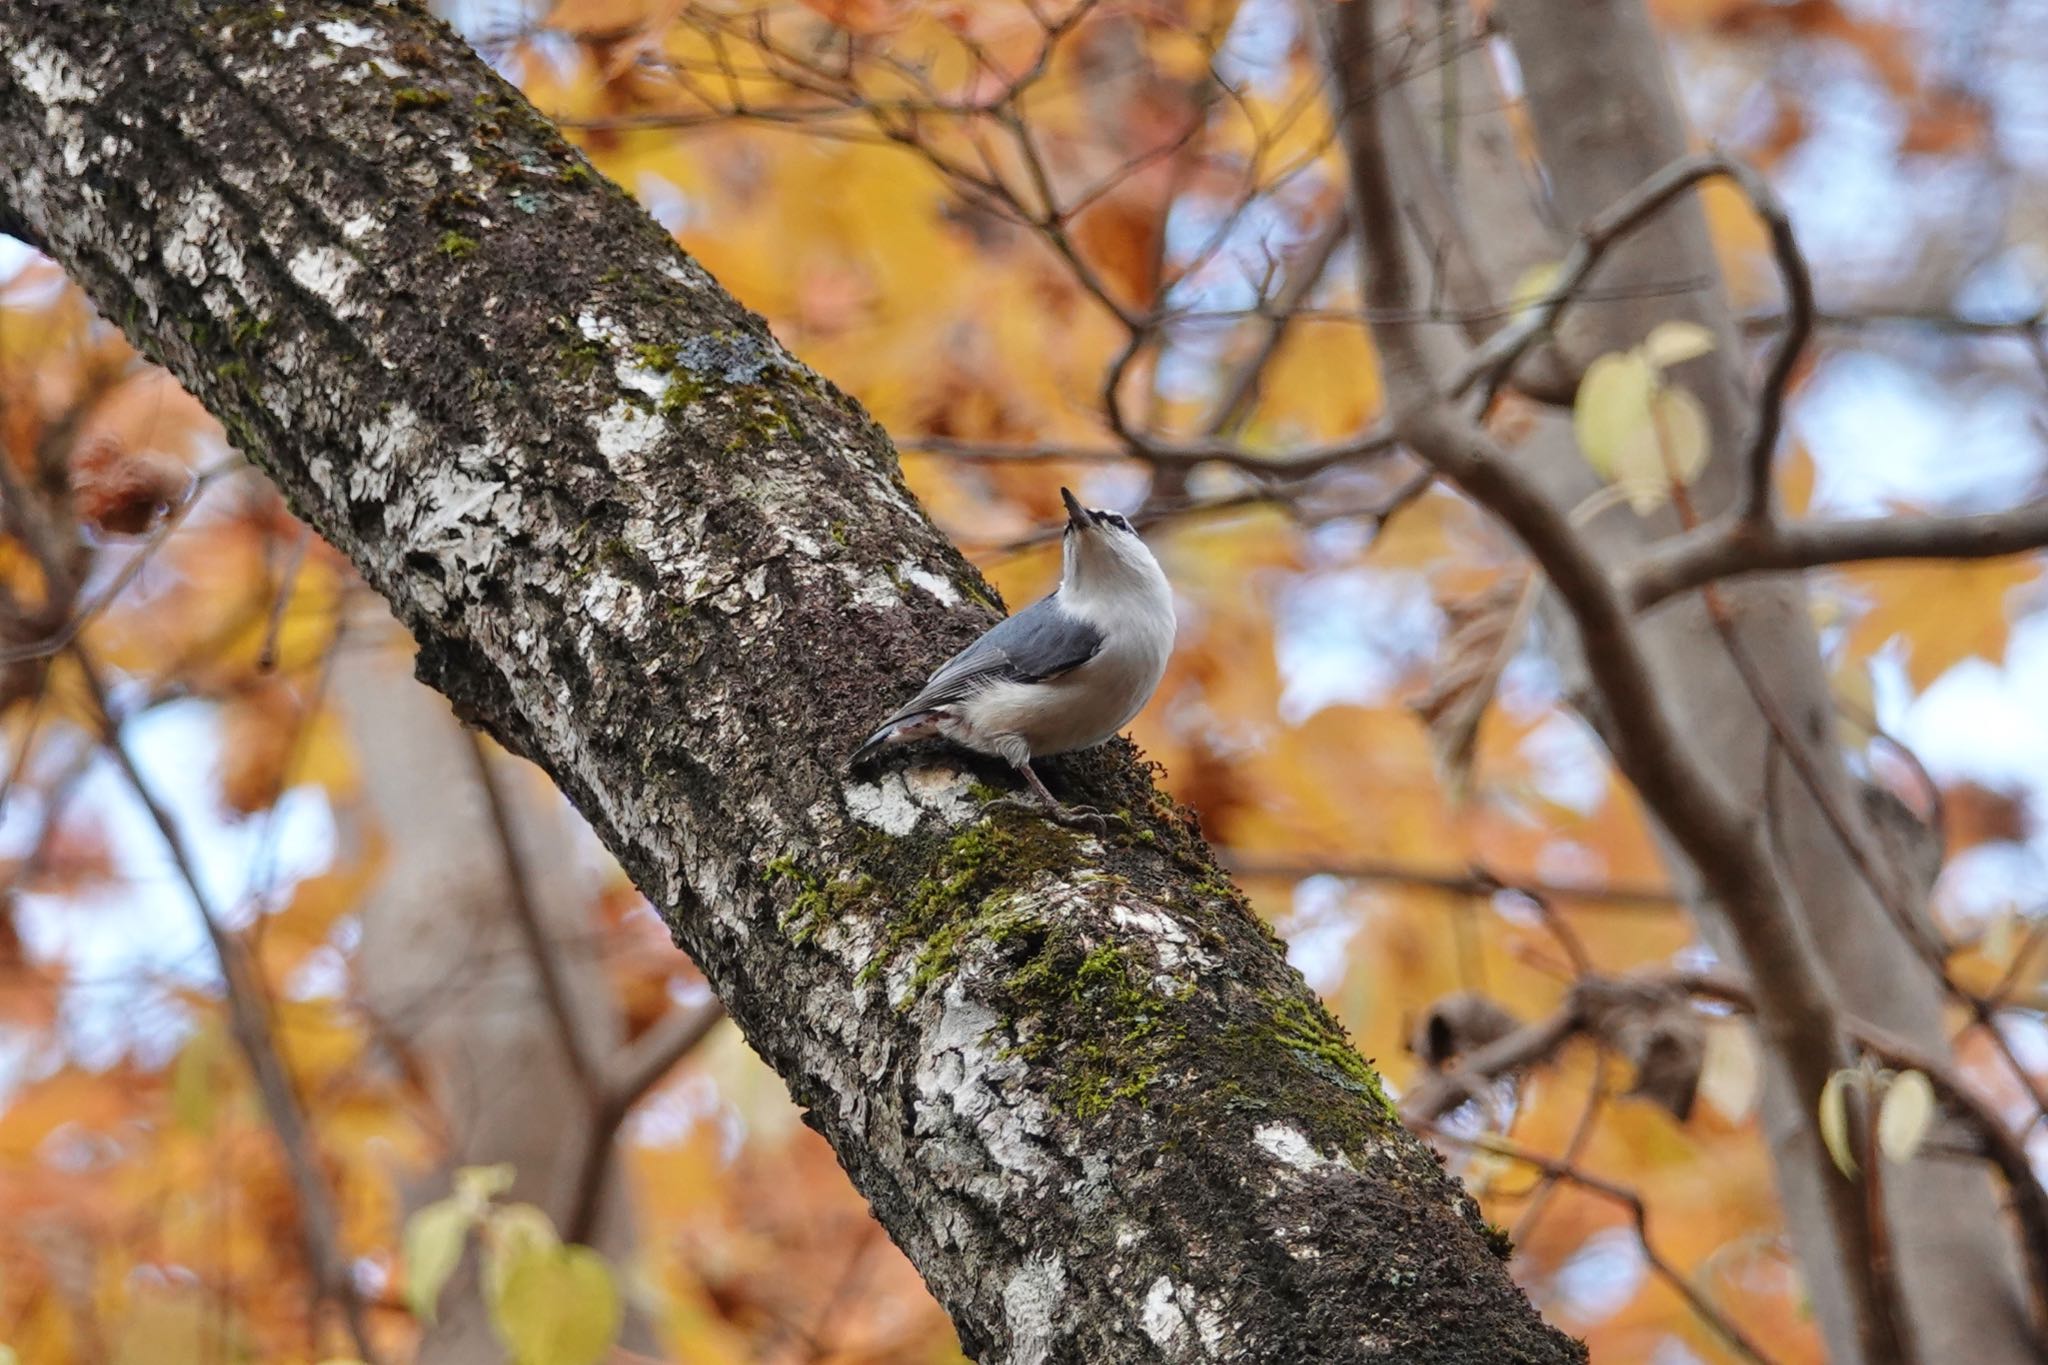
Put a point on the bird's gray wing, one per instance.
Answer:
(1037, 643)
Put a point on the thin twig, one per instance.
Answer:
(540, 952)
(318, 1220)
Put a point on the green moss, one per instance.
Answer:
(247, 330)
(456, 245)
(976, 595)
(758, 424)
(680, 393)
(1307, 1029)
(660, 356)
(408, 97)
(576, 173)
(581, 358)
(1096, 1022)
(817, 901)
(977, 871)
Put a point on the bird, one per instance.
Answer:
(1065, 673)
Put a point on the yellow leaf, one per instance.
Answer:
(1905, 1115)
(434, 1238)
(1834, 1121)
(1674, 343)
(1676, 451)
(1945, 613)
(1533, 284)
(1730, 1075)
(1611, 413)
(195, 1079)
(1855, 703)
(557, 1306)
(478, 1185)
(513, 1232)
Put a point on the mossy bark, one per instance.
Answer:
(643, 546)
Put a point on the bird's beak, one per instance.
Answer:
(1077, 515)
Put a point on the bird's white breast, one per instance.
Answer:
(1088, 704)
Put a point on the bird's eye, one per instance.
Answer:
(1119, 522)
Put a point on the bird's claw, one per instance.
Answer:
(1069, 817)
(1088, 818)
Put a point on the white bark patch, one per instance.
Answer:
(348, 33)
(386, 441)
(1161, 1316)
(1290, 1148)
(625, 434)
(1170, 942)
(324, 271)
(1031, 1306)
(54, 79)
(610, 600)
(459, 513)
(48, 75)
(874, 590)
(943, 790)
(359, 227)
(630, 372)
(960, 1083)
(185, 244)
(935, 584)
(887, 804)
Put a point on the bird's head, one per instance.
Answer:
(1099, 550)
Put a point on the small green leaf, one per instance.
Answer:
(1674, 343)
(1905, 1116)
(558, 1306)
(1834, 1121)
(1611, 414)
(434, 1237)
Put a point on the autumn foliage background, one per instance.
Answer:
(840, 167)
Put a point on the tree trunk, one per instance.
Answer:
(643, 546)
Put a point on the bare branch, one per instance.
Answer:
(1477, 881)
(1734, 548)
(1721, 839)
(639, 1066)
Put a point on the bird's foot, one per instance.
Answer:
(1068, 817)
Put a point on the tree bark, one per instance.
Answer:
(643, 546)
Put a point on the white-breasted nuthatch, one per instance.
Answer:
(1065, 673)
